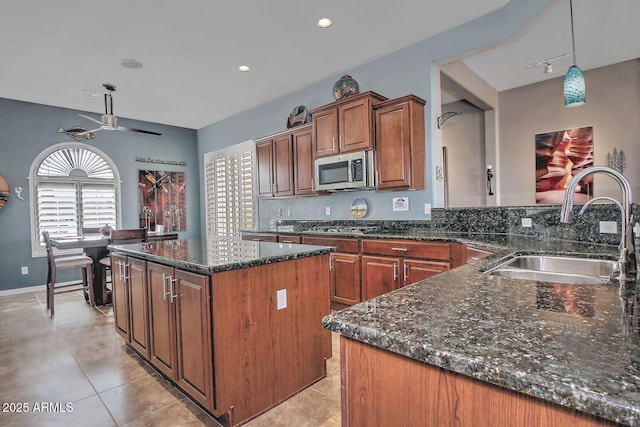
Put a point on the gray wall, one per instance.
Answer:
(26, 129)
(409, 70)
(612, 108)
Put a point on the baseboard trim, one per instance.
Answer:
(26, 290)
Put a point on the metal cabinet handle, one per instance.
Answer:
(120, 274)
(172, 283)
(406, 276)
(399, 249)
(164, 286)
(330, 263)
(125, 268)
(395, 271)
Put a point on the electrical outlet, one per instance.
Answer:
(608, 227)
(25, 270)
(526, 222)
(289, 213)
(281, 299)
(427, 208)
(327, 210)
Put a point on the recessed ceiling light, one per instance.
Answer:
(244, 68)
(324, 23)
(130, 63)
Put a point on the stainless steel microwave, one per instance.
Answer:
(349, 171)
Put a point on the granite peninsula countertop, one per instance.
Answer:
(219, 255)
(574, 345)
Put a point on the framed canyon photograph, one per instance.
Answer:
(559, 156)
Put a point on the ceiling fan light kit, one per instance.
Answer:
(574, 86)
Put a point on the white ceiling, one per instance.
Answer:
(54, 51)
(606, 32)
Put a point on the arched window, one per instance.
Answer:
(73, 186)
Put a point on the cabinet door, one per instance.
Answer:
(325, 133)
(345, 278)
(379, 275)
(355, 124)
(415, 270)
(400, 143)
(393, 157)
(120, 296)
(264, 154)
(303, 161)
(162, 328)
(283, 165)
(139, 306)
(193, 329)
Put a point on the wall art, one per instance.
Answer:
(163, 200)
(559, 156)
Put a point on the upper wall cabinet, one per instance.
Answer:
(275, 165)
(285, 163)
(399, 139)
(345, 125)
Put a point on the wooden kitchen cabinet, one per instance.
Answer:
(344, 267)
(400, 144)
(345, 125)
(180, 329)
(275, 165)
(131, 313)
(303, 170)
(391, 264)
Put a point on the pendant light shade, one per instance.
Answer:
(574, 88)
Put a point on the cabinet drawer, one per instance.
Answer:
(407, 248)
(343, 244)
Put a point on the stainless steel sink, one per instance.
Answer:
(556, 269)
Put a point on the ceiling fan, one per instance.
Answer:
(108, 121)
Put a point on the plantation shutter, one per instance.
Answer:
(98, 205)
(57, 208)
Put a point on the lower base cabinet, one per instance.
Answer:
(226, 339)
(130, 301)
(381, 388)
(180, 329)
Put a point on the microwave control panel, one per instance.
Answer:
(357, 170)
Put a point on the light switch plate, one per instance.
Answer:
(281, 299)
(327, 210)
(526, 222)
(427, 208)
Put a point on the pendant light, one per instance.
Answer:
(574, 87)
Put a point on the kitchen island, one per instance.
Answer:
(236, 325)
(466, 348)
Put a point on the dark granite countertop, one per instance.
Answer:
(574, 345)
(217, 255)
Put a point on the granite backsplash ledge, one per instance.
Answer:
(545, 222)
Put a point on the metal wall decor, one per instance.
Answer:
(446, 116)
(78, 133)
(162, 162)
(617, 160)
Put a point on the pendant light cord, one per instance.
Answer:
(573, 38)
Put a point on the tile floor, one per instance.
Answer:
(77, 358)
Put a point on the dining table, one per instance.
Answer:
(95, 247)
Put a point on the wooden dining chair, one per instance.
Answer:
(133, 235)
(73, 262)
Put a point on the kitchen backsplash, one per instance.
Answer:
(545, 221)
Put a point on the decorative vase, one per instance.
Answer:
(106, 230)
(344, 87)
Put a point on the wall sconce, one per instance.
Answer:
(489, 177)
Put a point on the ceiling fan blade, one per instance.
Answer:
(124, 128)
(91, 118)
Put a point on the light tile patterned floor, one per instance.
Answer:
(78, 358)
